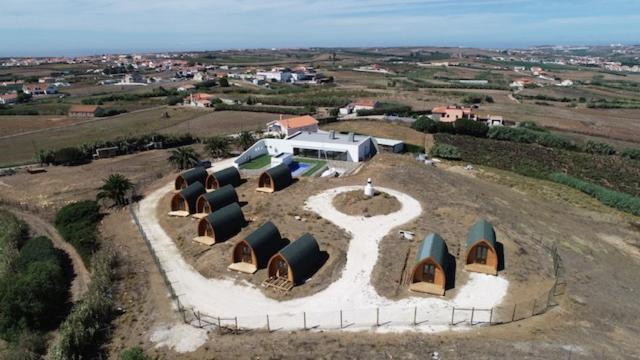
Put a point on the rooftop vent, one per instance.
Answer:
(332, 134)
(351, 137)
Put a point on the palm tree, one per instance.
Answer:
(217, 146)
(245, 140)
(115, 188)
(183, 158)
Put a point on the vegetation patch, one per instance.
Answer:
(355, 203)
(78, 225)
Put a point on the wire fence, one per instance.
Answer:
(369, 318)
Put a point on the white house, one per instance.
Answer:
(6, 99)
(325, 146)
(275, 75)
(293, 125)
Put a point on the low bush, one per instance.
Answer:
(414, 149)
(424, 124)
(470, 127)
(77, 223)
(594, 147)
(134, 353)
(615, 199)
(445, 151)
(100, 112)
(631, 153)
(267, 109)
(524, 135)
(385, 109)
(70, 156)
(530, 125)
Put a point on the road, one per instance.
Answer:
(80, 282)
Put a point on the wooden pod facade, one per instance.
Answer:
(229, 176)
(186, 199)
(275, 179)
(297, 261)
(257, 248)
(482, 255)
(211, 201)
(197, 174)
(220, 225)
(429, 274)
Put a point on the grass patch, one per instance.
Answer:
(257, 163)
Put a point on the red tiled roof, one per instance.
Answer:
(298, 122)
(365, 102)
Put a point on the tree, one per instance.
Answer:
(217, 146)
(224, 82)
(183, 158)
(424, 124)
(445, 151)
(45, 157)
(115, 187)
(245, 140)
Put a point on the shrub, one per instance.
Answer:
(100, 112)
(134, 353)
(33, 299)
(424, 124)
(631, 154)
(414, 149)
(594, 147)
(615, 199)
(173, 100)
(445, 151)
(530, 125)
(445, 127)
(77, 223)
(36, 249)
(12, 231)
(70, 156)
(527, 136)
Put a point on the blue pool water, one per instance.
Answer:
(299, 168)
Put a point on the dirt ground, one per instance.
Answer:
(355, 203)
(597, 316)
(281, 208)
(10, 125)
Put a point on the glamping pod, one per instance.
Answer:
(296, 262)
(218, 179)
(429, 275)
(197, 174)
(220, 225)
(481, 249)
(211, 201)
(255, 250)
(275, 179)
(183, 203)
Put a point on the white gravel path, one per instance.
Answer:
(352, 293)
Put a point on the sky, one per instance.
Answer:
(85, 27)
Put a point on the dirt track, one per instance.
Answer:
(80, 282)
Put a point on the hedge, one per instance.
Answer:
(524, 135)
(594, 147)
(267, 109)
(615, 199)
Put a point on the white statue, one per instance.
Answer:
(368, 189)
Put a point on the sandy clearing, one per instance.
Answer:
(182, 338)
(353, 293)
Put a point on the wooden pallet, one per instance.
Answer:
(278, 283)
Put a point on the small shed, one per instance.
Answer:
(275, 179)
(429, 275)
(183, 203)
(220, 225)
(295, 263)
(197, 174)
(255, 250)
(211, 201)
(482, 255)
(229, 176)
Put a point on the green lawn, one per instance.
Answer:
(317, 164)
(257, 163)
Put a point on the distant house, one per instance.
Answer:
(186, 88)
(290, 126)
(35, 89)
(200, 100)
(536, 70)
(275, 75)
(134, 78)
(495, 120)
(6, 99)
(46, 80)
(453, 113)
(361, 104)
(87, 111)
(200, 76)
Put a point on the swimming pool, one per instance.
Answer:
(299, 168)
